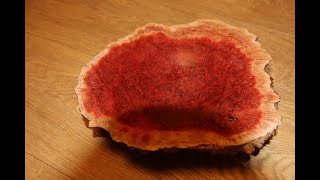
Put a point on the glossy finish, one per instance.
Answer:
(63, 35)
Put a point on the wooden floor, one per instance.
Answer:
(63, 35)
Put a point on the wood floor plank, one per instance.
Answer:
(37, 169)
(63, 35)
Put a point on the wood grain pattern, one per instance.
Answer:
(63, 35)
(40, 170)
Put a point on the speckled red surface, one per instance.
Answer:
(156, 82)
